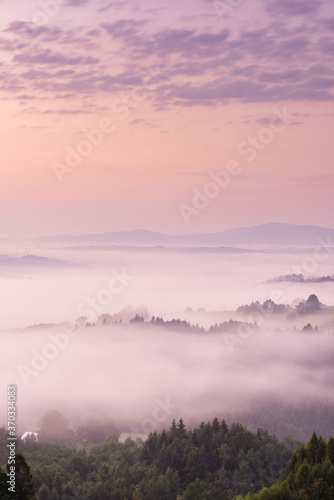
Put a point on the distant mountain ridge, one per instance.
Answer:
(264, 234)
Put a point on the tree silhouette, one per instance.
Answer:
(311, 306)
(53, 427)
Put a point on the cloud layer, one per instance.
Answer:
(287, 57)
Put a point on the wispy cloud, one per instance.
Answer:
(293, 8)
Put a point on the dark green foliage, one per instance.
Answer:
(58, 484)
(234, 458)
(330, 449)
(43, 493)
(212, 461)
(294, 418)
(3, 445)
(24, 489)
(310, 474)
(4, 493)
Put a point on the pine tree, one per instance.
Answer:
(68, 491)
(321, 450)
(215, 425)
(330, 449)
(191, 493)
(312, 449)
(58, 484)
(137, 495)
(181, 429)
(43, 493)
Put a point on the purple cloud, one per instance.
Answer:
(204, 66)
(124, 28)
(48, 57)
(292, 7)
(76, 3)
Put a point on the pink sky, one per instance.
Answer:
(217, 80)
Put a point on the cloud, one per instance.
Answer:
(329, 23)
(76, 3)
(203, 66)
(166, 41)
(190, 42)
(117, 5)
(30, 31)
(25, 97)
(82, 111)
(49, 57)
(292, 7)
(124, 28)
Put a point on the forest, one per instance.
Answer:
(212, 461)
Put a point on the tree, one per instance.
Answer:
(54, 495)
(321, 450)
(68, 491)
(310, 475)
(330, 449)
(137, 319)
(196, 466)
(191, 493)
(219, 492)
(43, 493)
(308, 328)
(312, 449)
(313, 303)
(53, 427)
(304, 477)
(78, 464)
(24, 489)
(181, 429)
(4, 493)
(58, 484)
(224, 453)
(311, 306)
(98, 431)
(137, 495)
(3, 445)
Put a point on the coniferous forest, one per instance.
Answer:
(212, 461)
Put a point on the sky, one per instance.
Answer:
(179, 117)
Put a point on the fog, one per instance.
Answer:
(143, 376)
(166, 283)
(123, 372)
